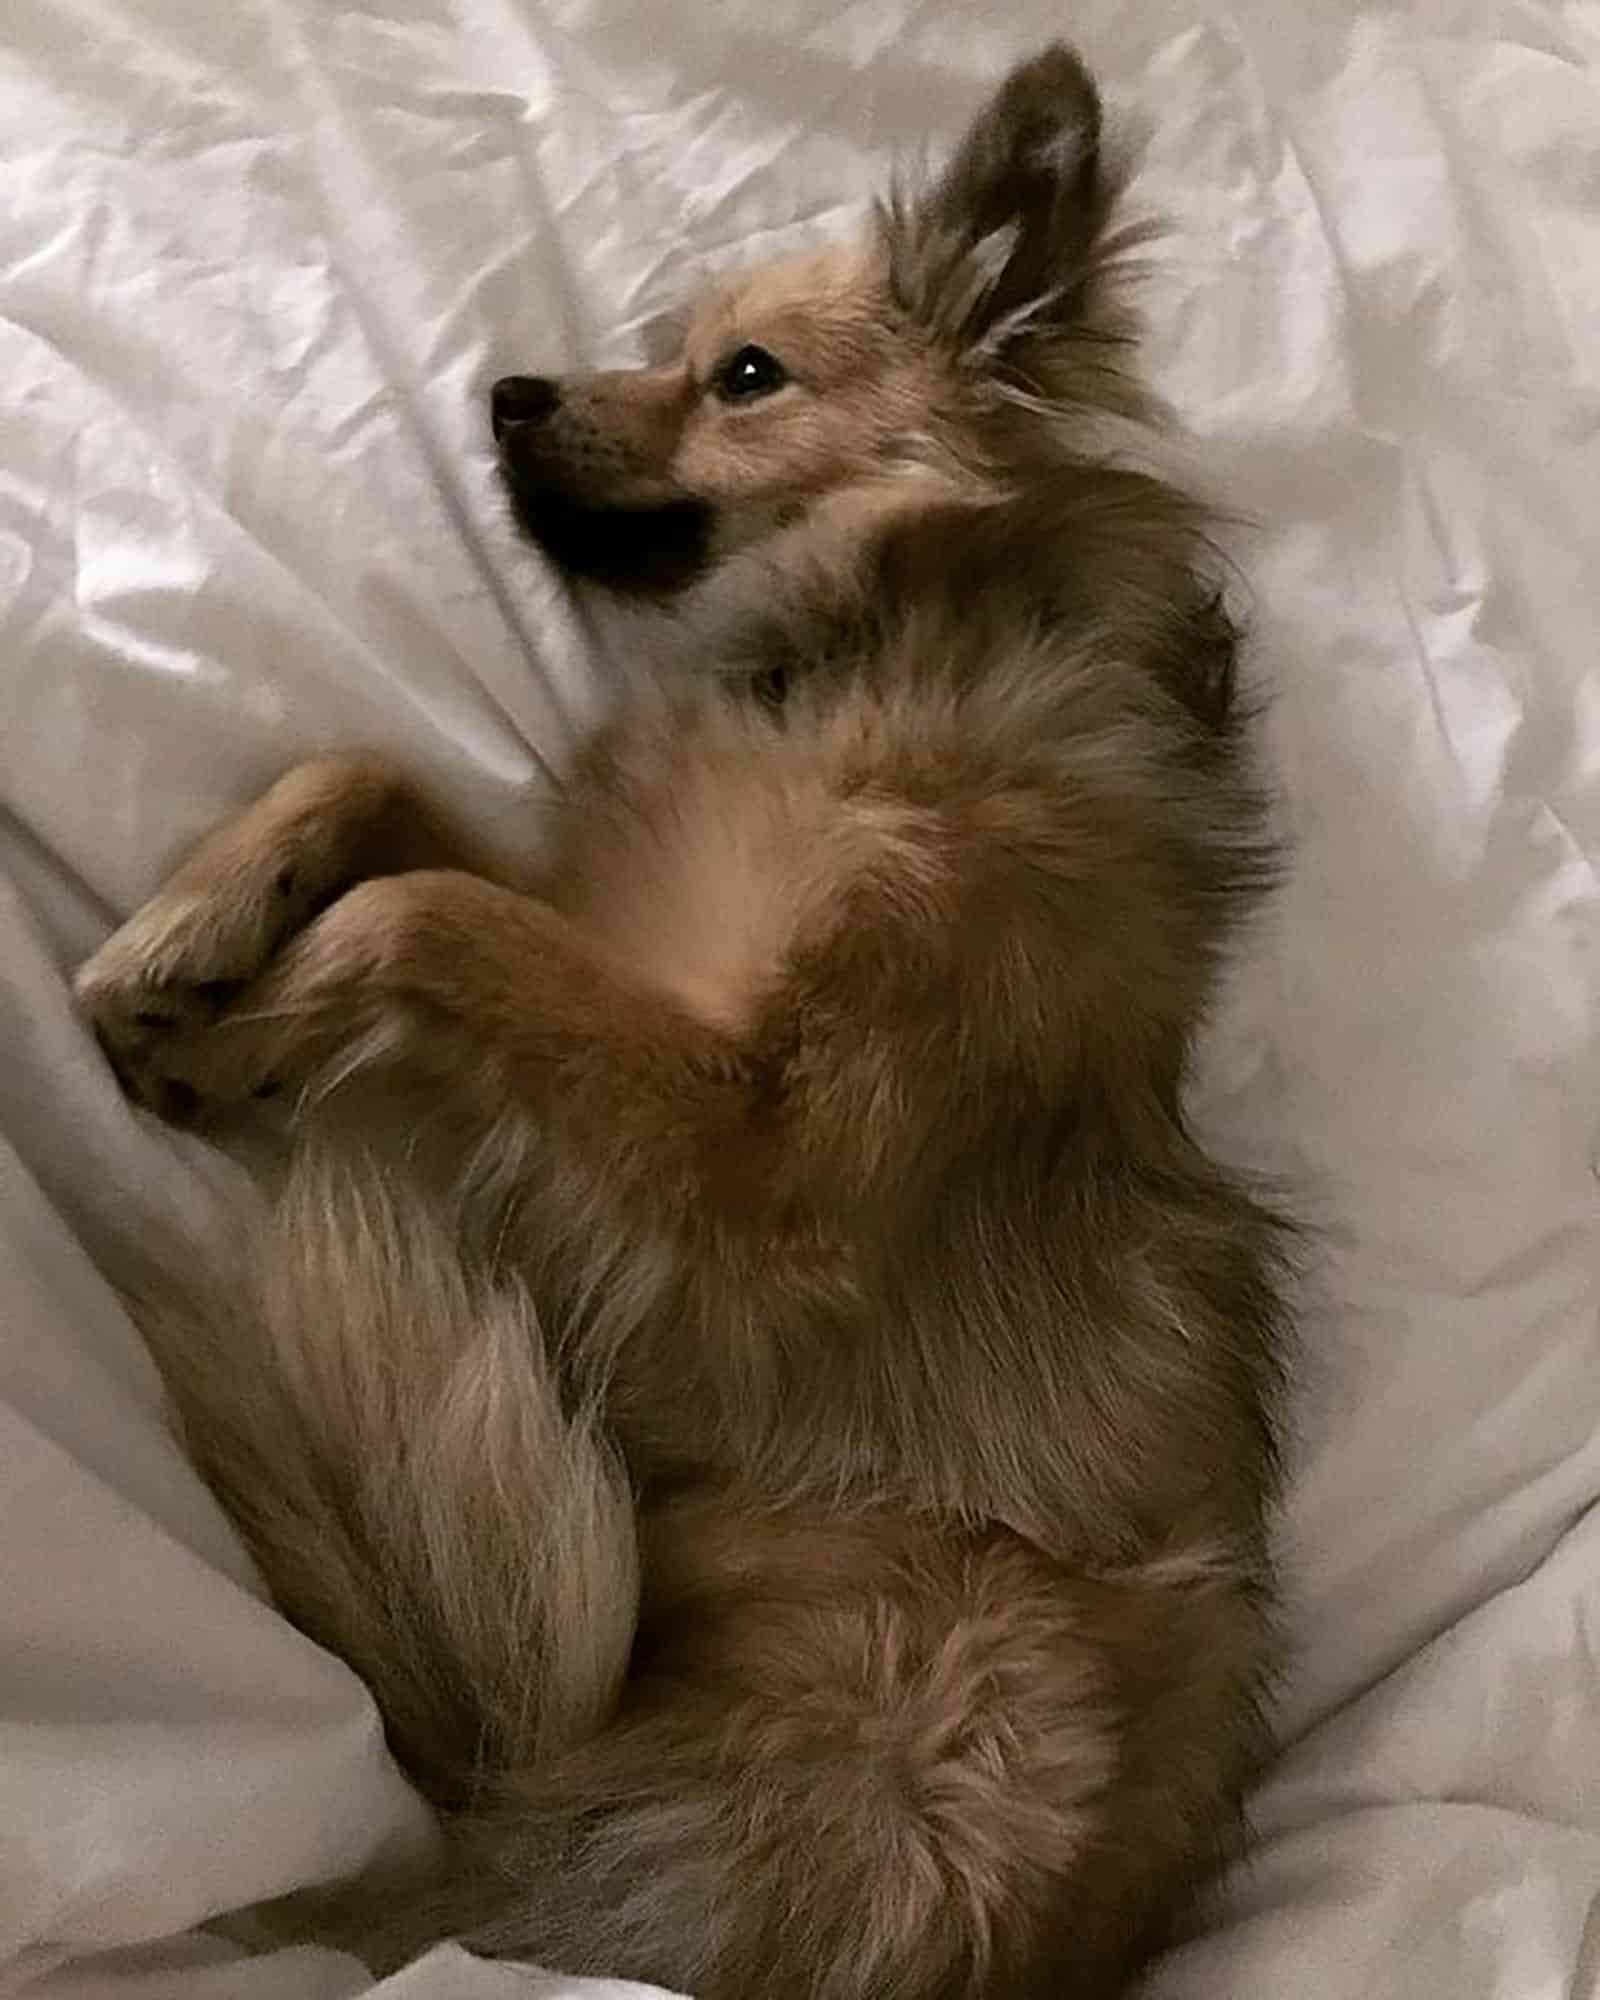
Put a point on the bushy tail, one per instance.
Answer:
(388, 1435)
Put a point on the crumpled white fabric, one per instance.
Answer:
(258, 264)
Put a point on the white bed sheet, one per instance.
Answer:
(258, 264)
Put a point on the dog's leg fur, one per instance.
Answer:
(908, 1761)
(499, 1000)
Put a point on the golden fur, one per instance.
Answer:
(787, 1437)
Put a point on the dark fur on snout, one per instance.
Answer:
(642, 551)
(803, 1509)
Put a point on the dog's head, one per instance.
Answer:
(852, 367)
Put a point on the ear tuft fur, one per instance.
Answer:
(1003, 242)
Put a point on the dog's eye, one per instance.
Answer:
(747, 373)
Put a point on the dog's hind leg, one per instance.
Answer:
(868, 1759)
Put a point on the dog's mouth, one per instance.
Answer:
(637, 551)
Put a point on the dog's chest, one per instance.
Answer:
(699, 856)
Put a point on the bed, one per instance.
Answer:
(258, 264)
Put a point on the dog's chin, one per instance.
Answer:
(634, 551)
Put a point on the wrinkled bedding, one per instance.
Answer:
(258, 263)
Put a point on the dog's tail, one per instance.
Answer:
(388, 1435)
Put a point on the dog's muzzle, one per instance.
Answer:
(640, 551)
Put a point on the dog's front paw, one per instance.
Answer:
(193, 1030)
(174, 971)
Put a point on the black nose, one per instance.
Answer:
(521, 399)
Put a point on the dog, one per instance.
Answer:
(798, 1482)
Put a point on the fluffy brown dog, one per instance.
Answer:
(801, 1509)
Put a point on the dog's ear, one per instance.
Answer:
(1002, 243)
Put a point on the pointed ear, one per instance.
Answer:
(1004, 239)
